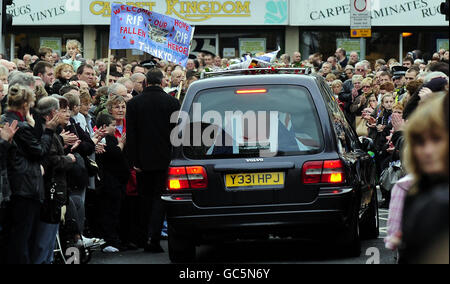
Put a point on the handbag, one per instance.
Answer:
(51, 208)
(391, 175)
(361, 127)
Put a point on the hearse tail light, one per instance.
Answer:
(312, 172)
(197, 176)
(331, 172)
(182, 178)
(177, 179)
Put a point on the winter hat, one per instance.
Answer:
(436, 84)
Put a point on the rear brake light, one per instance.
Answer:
(177, 179)
(323, 172)
(333, 172)
(197, 177)
(312, 172)
(181, 178)
(251, 91)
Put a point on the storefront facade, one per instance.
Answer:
(398, 27)
(227, 28)
(230, 28)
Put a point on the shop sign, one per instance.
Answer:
(37, 13)
(252, 45)
(212, 12)
(383, 13)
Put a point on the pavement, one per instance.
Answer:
(273, 251)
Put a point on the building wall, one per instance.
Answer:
(90, 42)
(88, 20)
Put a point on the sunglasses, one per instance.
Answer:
(368, 87)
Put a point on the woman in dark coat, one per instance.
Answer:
(25, 174)
(78, 177)
(56, 164)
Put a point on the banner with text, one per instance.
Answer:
(159, 35)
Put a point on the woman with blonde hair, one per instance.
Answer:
(425, 214)
(25, 175)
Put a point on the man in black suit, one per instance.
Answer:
(150, 149)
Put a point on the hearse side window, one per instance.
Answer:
(337, 118)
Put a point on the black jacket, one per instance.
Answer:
(380, 138)
(149, 129)
(135, 94)
(78, 177)
(24, 173)
(6, 154)
(425, 221)
(113, 163)
(57, 85)
(398, 140)
(56, 165)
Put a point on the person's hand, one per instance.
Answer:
(363, 100)
(128, 97)
(100, 148)
(372, 120)
(122, 141)
(63, 214)
(366, 113)
(75, 146)
(42, 170)
(99, 135)
(389, 138)
(137, 170)
(8, 131)
(69, 138)
(424, 94)
(74, 83)
(30, 119)
(397, 122)
(354, 93)
(391, 148)
(52, 123)
(72, 157)
(380, 127)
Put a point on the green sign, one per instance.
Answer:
(349, 45)
(442, 44)
(52, 42)
(252, 45)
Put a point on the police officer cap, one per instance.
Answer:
(398, 72)
(149, 64)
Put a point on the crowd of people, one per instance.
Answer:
(76, 160)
